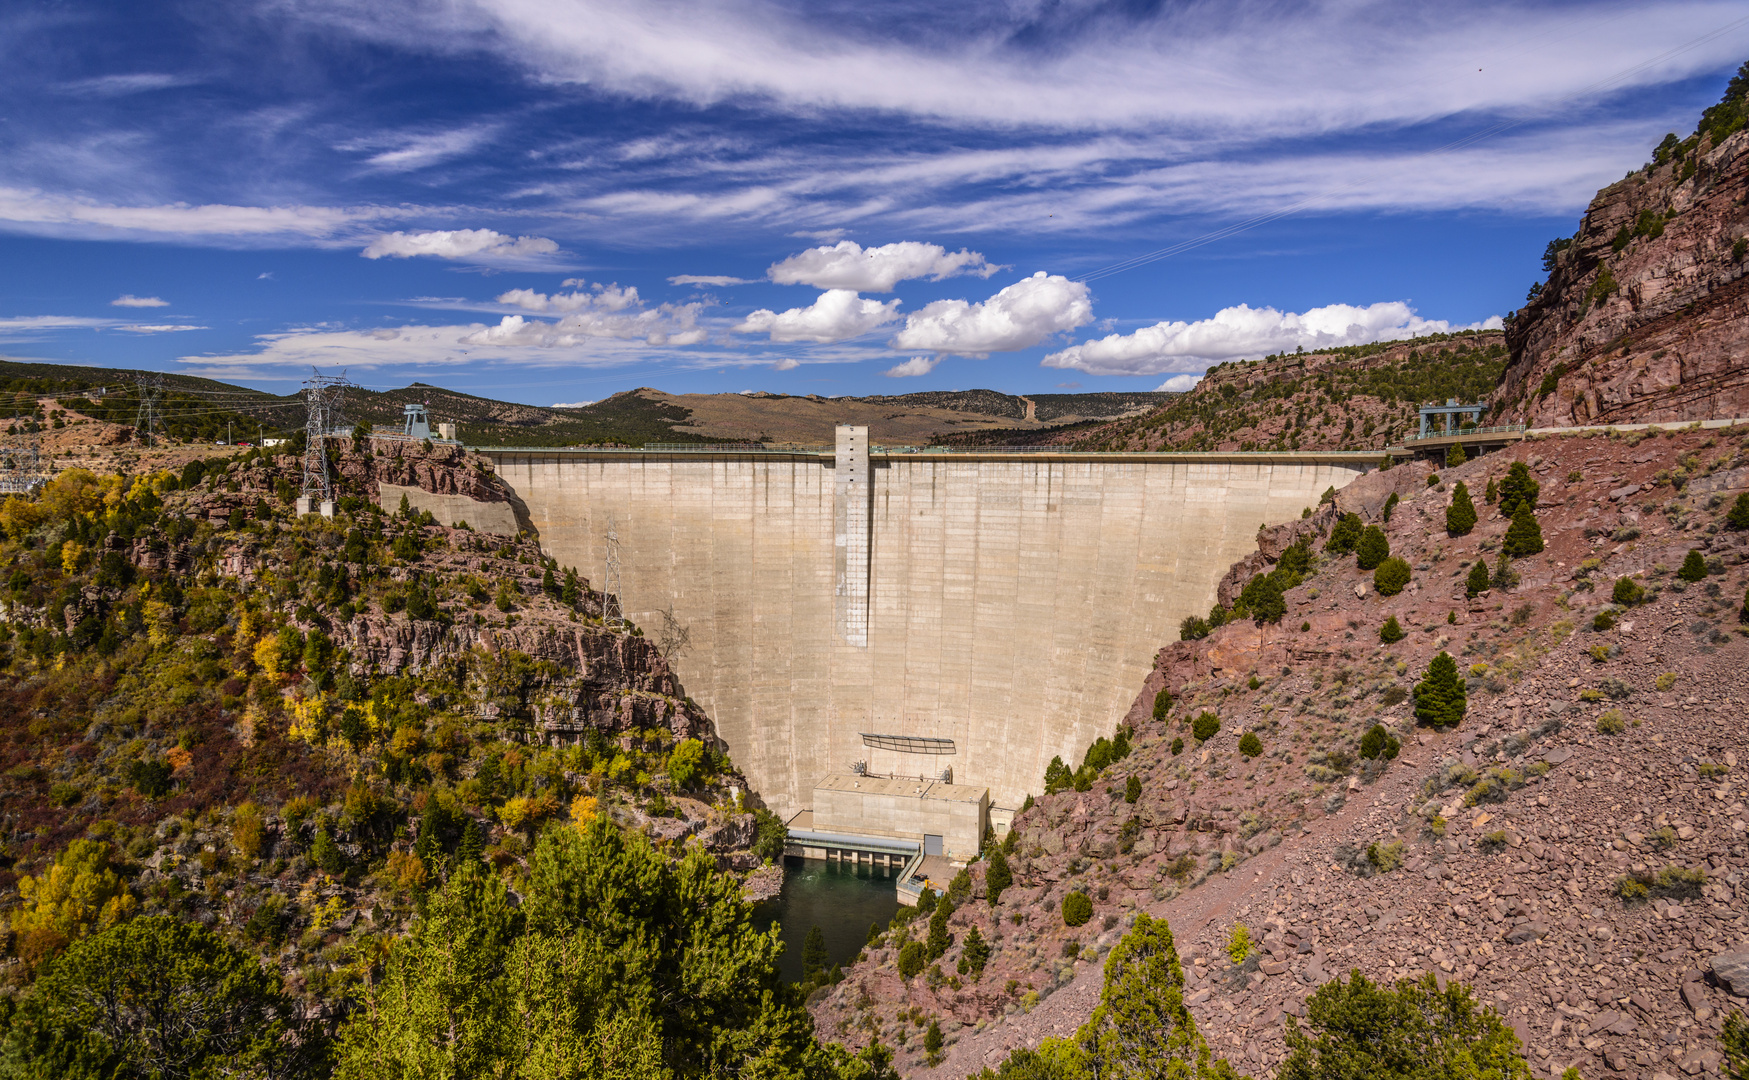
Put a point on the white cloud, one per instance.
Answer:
(29, 327)
(1020, 316)
(1244, 331)
(130, 300)
(38, 211)
(718, 280)
(570, 404)
(1179, 384)
(836, 315)
(917, 365)
(417, 151)
(599, 298)
(788, 363)
(122, 85)
(476, 244)
(848, 265)
(156, 328)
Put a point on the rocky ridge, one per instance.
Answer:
(1593, 752)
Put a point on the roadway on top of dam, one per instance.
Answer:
(1006, 453)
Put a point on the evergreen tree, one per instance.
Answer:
(548, 584)
(1372, 549)
(1460, 516)
(1392, 631)
(1492, 493)
(1415, 1031)
(1250, 745)
(932, 1040)
(1344, 535)
(1132, 789)
(1518, 488)
(939, 938)
(152, 997)
(1391, 506)
(1142, 1027)
(1439, 697)
(1455, 456)
(974, 954)
(1524, 536)
(1263, 599)
(1477, 582)
(572, 590)
(1693, 567)
(998, 875)
(815, 958)
(1738, 518)
(1057, 776)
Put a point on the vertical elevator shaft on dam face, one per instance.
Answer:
(852, 521)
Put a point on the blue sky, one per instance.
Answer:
(554, 200)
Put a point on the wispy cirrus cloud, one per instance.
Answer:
(38, 327)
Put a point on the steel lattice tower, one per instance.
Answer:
(147, 418)
(324, 396)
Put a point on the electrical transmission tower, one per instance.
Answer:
(149, 419)
(612, 613)
(324, 397)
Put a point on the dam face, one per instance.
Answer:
(1010, 602)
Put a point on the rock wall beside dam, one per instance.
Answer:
(1009, 602)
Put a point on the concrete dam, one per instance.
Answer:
(989, 609)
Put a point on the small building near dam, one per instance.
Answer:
(947, 819)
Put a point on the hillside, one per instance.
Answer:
(1645, 313)
(1357, 397)
(1574, 847)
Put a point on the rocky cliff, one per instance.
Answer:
(1645, 315)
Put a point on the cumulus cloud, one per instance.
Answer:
(1020, 316)
(836, 315)
(788, 363)
(917, 365)
(700, 280)
(130, 300)
(598, 298)
(476, 244)
(848, 265)
(1244, 331)
(1179, 384)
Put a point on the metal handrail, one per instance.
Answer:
(1497, 429)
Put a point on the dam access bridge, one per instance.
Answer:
(1006, 601)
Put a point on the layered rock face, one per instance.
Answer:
(1645, 316)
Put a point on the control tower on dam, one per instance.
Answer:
(1009, 603)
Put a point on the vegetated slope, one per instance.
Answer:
(1574, 847)
(905, 419)
(41, 398)
(1357, 397)
(1645, 314)
(290, 729)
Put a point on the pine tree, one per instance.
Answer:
(1392, 632)
(1407, 1032)
(1142, 1026)
(1519, 487)
(815, 958)
(1372, 548)
(1455, 456)
(1391, 506)
(1439, 697)
(1392, 577)
(1524, 536)
(997, 876)
(1460, 516)
(571, 592)
(1738, 518)
(974, 954)
(1132, 789)
(1492, 493)
(1344, 535)
(1693, 567)
(939, 938)
(1057, 776)
(1477, 583)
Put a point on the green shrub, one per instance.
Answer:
(998, 875)
(1205, 727)
(1738, 518)
(1193, 628)
(1390, 506)
(1392, 632)
(913, 958)
(1344, 535)
(1262, 598)
(1377, 742)
(1630, 890)
(1477, 582)
(1412, 1031)
(1177, 747)
(1372, 549)
(1518, 488)
(1440, 700)
(1132, 789)
(1524, 536)
(1385, 857)
(1162, 704)
(1391, 577)
(1492, 492)
(1603, 620)
(1250, 745)
(1627, 592)
(1239, 946)
(1460, 516)
(1611, 723)
(1077, 909)
(1693, 567)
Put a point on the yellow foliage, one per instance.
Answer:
(248, 829)
(80, 894)
(161, 628)
(267, 654)
(522, 810)
(309, 717)
(72, 554)
(406, 870)
(178, 758)
(325, 914)
(582, 810)
(248, 624)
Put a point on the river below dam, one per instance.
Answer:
(841, 900)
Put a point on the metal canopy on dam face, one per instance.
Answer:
(1009, 602)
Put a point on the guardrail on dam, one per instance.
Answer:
(1011, 602)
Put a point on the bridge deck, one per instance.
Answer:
(1213, 457)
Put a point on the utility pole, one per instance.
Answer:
(147, 419)
(323, 398)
